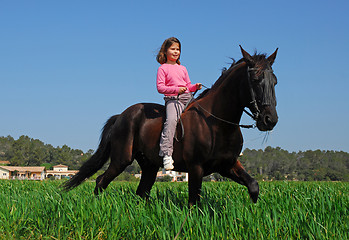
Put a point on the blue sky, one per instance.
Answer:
(67, 66)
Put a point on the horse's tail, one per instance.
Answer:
(97, 160)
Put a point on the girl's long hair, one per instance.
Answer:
(161, 57)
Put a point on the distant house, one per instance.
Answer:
(4, 163)
(35, 173)
(176, 176)
(16, 172)
(60, 171)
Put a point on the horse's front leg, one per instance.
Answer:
(239, 175)
(196, 174)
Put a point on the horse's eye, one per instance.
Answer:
(258, 78)
(261, 76)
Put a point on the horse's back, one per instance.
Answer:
(143, 124)
(142, 112)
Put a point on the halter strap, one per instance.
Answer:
(254, 107)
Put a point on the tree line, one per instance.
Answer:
(26, 151)
(278, 164)
(268, 164)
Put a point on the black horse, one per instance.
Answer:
(212, 139)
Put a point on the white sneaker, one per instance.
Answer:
(168, 162)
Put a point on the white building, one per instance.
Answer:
(176, 176)
(35, 173)
(60, 171)
(17, 172)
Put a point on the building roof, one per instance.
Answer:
(4, 162)
(23, 169)
(60, 172)
(60, 166)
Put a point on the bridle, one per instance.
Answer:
(253, 106)
(253, 103)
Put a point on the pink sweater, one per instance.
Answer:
(171, 77)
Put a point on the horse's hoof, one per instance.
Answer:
(97, 191)
(253, 190)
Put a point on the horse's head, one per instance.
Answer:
(261, 83)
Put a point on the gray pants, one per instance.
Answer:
(174, 108)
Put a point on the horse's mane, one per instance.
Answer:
(261, 63)
(224, 73)
(201, 95)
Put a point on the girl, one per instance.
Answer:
(173, 81)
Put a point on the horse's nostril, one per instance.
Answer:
(268, 120)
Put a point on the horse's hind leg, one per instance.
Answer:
(149, 172)
(239, 175)
(117, 166)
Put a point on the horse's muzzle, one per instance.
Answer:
(267, 119)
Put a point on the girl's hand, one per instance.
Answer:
(198, 86)
(182, 90)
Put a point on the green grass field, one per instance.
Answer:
(285, 210)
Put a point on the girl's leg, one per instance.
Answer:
(166, 140)
(174, 108)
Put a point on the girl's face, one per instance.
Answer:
(173, 53)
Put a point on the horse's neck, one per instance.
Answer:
(224, 100)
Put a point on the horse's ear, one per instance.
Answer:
(246, 56)
(272, 57)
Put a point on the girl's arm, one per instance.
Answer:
(191, 87)
(161, 84)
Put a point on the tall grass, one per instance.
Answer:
(285, 210)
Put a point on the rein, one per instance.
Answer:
(255, 112)
(254, 116)
(228, 122)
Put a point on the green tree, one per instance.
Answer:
(165, 178)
